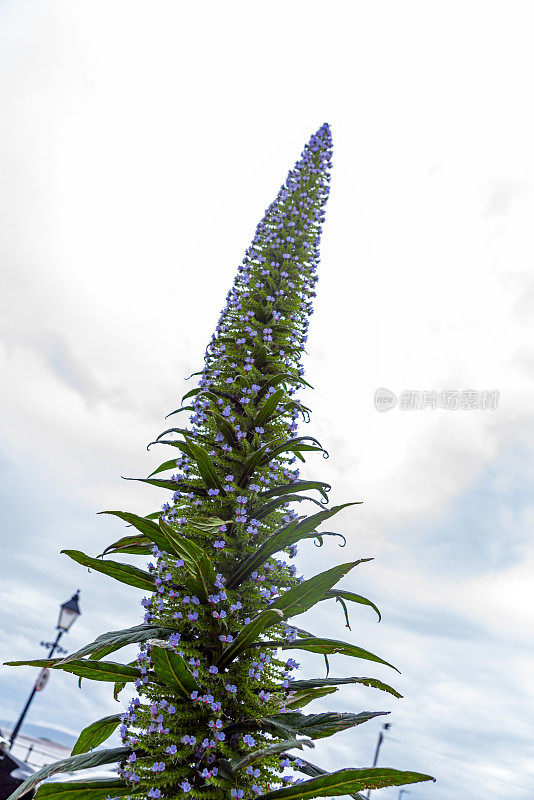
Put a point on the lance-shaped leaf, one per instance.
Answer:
(167, 465)
(300, 686)
(265, 454)
(301, 765)
(318, 726)
(298, 486)
(260, 512)
(96, 733)
(347, 781)
(111, 641)
(284, 537)
(136, 545)
(249, 634)
(342, 594)
(329, 647)
(171, 670)
(143, 525)
(302, 699)
(172, 485)
(197, 563)
(124, 573)
(281, 377)
(206, 467)
(71, 764)
(300, 598)
(279, 747)
(98, 789)
(268, 409)
(85, 668)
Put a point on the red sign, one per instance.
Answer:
(42, 679)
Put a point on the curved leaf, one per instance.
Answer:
(298, 486)
(98, 789)
(317, 682)
(172, 485)
(329, 647)
(124, 573)
(249, 634)
(206, 467)
(83, 761)
(171, 464)
(85, 668)
(171, 669)
(302, 699)
(279, 540)
(354, 598)
(136, 545)
(108, 642)
(300, 598)
(346, 781)
(287, 744)
(318, 726)
(96, 733)
(268, 409)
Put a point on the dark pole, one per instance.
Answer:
(379, 742)
(30, 698)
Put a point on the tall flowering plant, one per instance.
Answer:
(218, 709)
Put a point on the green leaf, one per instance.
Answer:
(124, 573)
(113, 640)
(298, 486)
(316, 682)
(354, 598)
(249, 634)
(171, 669)
(83, 761)
(136, 545)
(96, 733)
(331, 646)
(346, 781)
(318, 726)
(268, 409)
(314, 771)
(171, 464)
(85, 668)
(172, 485)
(98, 789)
(304, 596)
(177, 410)
(282, 377)
(196, 561)
(302, 699)
(279, 747)
(143, 525)
(279, 540)
(206, 467)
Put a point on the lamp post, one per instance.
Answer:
(385, 727)
(68, 613)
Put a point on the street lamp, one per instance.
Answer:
(68, 613)
(385, 727)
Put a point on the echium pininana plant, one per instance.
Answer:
(218, 709)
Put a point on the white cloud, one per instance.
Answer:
(138, 153)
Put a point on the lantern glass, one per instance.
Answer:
(68, 612)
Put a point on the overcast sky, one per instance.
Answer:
(139, 146)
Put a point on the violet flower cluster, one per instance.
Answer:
(253, 358)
